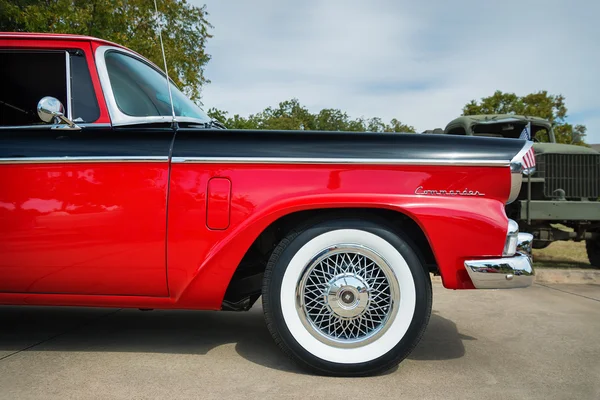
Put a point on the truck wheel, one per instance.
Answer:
(346, 298)
(593, 252)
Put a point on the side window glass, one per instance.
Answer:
(83, 96)
(132, 87)
(27, 76)
(141, 91)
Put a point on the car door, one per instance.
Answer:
(82, 211)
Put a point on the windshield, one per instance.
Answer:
(140, 90)
(511, 130)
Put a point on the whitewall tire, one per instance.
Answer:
(346, 297)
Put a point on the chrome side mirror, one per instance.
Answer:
(51, 110)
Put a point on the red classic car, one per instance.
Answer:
(108, 199)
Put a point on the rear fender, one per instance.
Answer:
(456, 228)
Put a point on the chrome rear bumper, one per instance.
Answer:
(506, 272)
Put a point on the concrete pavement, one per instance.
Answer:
(541, 342)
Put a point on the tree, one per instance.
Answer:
(291, 115)
(539, 104)
(397, 126)
(235, 122)
(131, 23)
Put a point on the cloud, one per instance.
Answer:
(419, 62)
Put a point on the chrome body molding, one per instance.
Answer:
(516, 179)
(524, 243)
(333, 160)
(506, 272)
(90, 125)
(56, 160)
(250, 160)
(511, 243)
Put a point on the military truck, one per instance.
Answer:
(564, 190)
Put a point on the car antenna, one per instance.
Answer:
(162, 49)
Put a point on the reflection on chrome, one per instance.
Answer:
(524, 243)
(506, 272)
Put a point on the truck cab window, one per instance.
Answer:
(27, 76)
(457, 131)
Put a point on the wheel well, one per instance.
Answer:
(245, 286)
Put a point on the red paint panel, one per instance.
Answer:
(218, 203)
(121, 250)
(83, 228)
(201, 261)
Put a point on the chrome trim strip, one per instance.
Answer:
(69, 101)
(378, 161)
(37, 127)
(248, 160)
(85, 159)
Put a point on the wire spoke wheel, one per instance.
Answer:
(347, 296)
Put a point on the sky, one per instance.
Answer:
(417, 61)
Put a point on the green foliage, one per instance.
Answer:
(131, 23)
(291, 115)
(539, 104)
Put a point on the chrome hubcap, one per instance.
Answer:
(347, 296)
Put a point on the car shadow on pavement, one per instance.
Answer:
(176, 332)
(441, 341)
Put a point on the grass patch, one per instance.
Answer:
(562, 254)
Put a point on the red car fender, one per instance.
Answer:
(201, 261)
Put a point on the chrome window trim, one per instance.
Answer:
(69, 100)
(116, 116)
(82, 159)
(377, 161)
